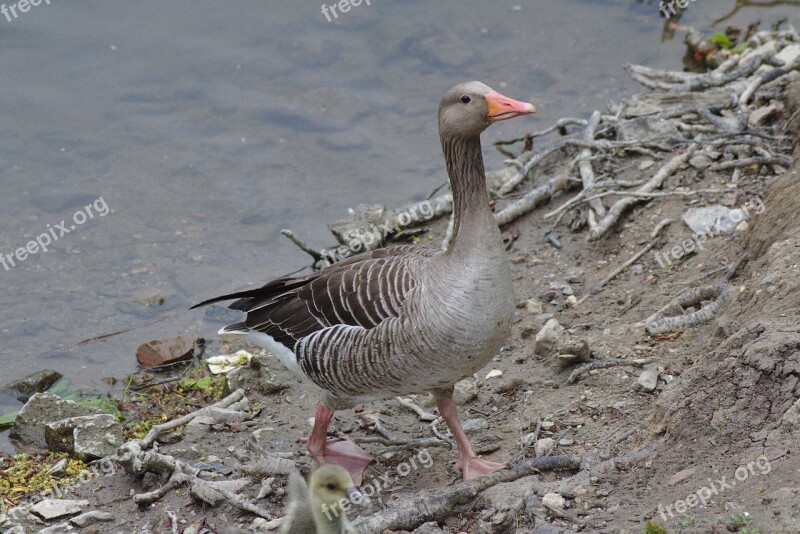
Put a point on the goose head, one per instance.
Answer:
(469, 108)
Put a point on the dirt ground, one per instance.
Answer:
(721, 427)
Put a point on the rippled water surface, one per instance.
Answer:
(201, 128)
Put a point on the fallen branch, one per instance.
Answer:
(587, 173)
(603, 364)
(659, 322)
(432, 505)
(620, 206)
(531, 199)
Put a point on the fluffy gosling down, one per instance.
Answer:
(320, 507)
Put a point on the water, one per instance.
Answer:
(206, 127)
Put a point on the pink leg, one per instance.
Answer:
(327, 450)
(471, 464)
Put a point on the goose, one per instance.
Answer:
(405, 319)
(317, 508)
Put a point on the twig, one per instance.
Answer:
(663, 224)
(414, 407)
(776, 160)
(315, 255)
(561, 124)
(651, 185)
(603, 364)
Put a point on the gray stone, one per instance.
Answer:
(432, 527)
(89, 518)
(87, 437)
(562, 287)
(464, 392)
(648, 380)
(534, 306)
(713, 219)
(59, 528)
(269, 465)
(547, 337)
(255, 377)
(43, 408)
(700, 162)
(54, 508)
(34, 383)
(475, 425)
(574, 275)
(544, 446)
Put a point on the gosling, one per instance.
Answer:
(320, 507)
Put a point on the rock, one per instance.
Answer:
(54, 508)
(255, 377)
(648, 380)
(791, 419)
(713, 219)
(34, 383)
(432, 527)
(789, 54)
(60, 528)
(494, 373)
(571, 301)
(547, 337)
(464, 392)
(572, 351)
(59, 468)
(43, 408)
(554, 502)
(548, 425)
(574, 275)
(158, 352)
(566, 442)
(562, 287)
(646, 164)
(763, 115)
(86, 437)
(700, 162)
(475, 425)
(680, 476)
(742, 227)
(534, 306)
(543, 446)
(90, 518)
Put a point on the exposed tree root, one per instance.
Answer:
(435, 504)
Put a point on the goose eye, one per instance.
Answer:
(465, 99)
(331, 486)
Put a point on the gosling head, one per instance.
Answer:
(329, 484)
